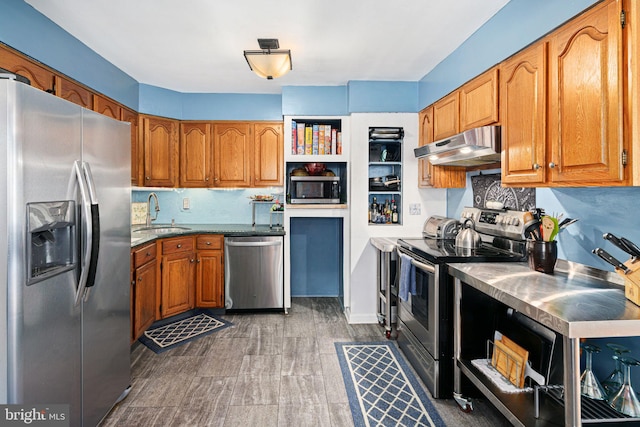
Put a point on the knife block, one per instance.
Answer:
(631, 280)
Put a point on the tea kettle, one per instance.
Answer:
(468, 237)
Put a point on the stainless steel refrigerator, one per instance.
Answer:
(64, 254)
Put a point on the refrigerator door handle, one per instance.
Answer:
(86, 218)
(95, 227)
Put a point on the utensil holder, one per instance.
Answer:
(542, 255)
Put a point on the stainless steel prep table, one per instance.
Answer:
(576, 302)
(385, 251)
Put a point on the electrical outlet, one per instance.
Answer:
(186, 203)
(414, 208)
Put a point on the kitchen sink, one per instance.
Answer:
(161, 230)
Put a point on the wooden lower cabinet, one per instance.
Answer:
(143, 289)
(144, 297)
(178, 276)
(210, 271)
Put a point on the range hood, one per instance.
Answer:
(473, 147)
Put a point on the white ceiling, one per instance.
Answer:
(197, 45)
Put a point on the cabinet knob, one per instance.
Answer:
(148, 254)
(198, 261)
(147, 178)
(133, 282)
(179, 246)
(208, 243)
(536, 166)
(215, 179)
(206, 179)
(552, 165)
(139, 279)
(193, 260)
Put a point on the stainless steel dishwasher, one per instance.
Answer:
(254, 272)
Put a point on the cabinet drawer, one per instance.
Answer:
(209, 241)
(177, 244)
(144, 255)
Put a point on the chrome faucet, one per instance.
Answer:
(157, 208)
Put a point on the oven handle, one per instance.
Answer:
(423, 266)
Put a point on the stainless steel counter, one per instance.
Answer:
(576, 301)
(139, 238)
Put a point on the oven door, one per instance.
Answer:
(421, 312)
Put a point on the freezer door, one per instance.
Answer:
(43, 326)
(106, 155)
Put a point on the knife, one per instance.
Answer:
(632, 248)
(623, 244)
(611, 260)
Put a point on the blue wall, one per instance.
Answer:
(316, 262)
(516, 25)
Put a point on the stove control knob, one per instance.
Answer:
(516, 221)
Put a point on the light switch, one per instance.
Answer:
(186, 204)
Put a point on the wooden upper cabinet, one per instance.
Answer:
(106, 107)
(586, 94)
(40, 77)
(196, 154)
(136, 148)
(425, 126)
(73, 92)
(160, 142)
(523, 112)
(428, 174)
(268, 155)
(479, 101)
(233, 153)
(446, 116)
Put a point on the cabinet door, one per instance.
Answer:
(159, 138)
(40, 77)
(585, 121)
(233, 154)
(73, 92)
(106, 107)
(446, 116)
(479, 101)
(268, 155)
(210, 279)
(425, 168)
(523, 110)
(196, 152)
(178, 277)
(136, 151)
(144, 297)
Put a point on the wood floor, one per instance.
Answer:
(268, 369)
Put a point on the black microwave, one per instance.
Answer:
(314, 189)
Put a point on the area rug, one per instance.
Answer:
(381, 388)
(177, 330)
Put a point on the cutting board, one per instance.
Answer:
(510, 360)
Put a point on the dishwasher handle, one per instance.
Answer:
(254, 244)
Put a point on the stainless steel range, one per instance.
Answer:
(425, 319)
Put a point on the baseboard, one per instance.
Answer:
(360, 318)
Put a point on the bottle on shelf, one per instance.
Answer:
(373, 212)
(394, 212)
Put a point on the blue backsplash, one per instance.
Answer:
(598, 209)
(219, 206)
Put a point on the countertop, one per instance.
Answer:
(574, 301)
(141, 237)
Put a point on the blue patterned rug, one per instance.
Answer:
(177, 330)
(382, 389)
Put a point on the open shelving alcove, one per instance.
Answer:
(385, 175)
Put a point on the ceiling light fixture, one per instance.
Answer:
(269, 63)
